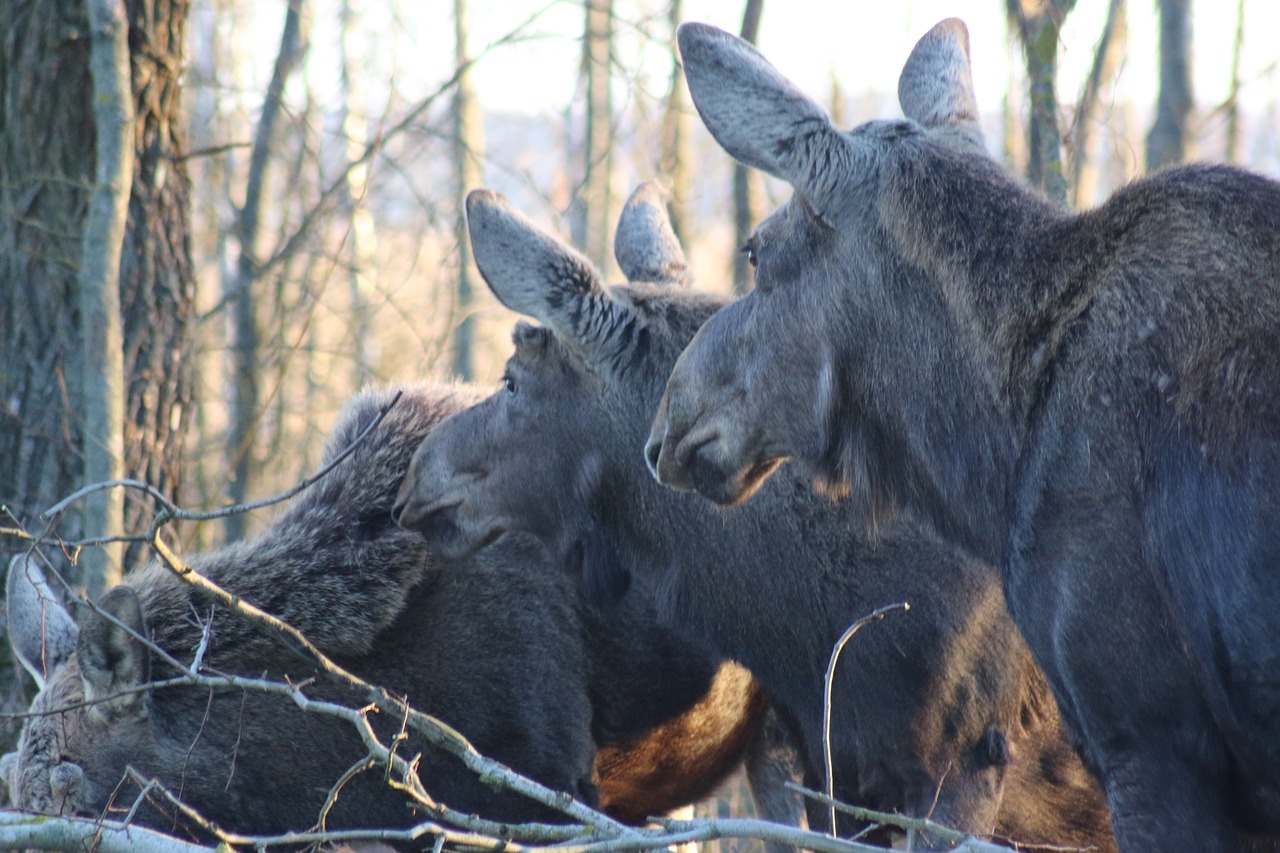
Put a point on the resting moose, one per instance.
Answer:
(937, 711)
(1091, 399)
(500, 644)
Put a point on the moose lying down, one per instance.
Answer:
(938, 711)
(496, 644)
(1092, 399)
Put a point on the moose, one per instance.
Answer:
(1090, 400)
(936, 712)
(502, 645)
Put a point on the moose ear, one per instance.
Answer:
(760, 117)
(42, 633)
(936, 85)
(536, 274)
(112, 659)
(528, 269)
(645, 245)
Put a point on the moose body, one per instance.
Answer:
(501, 645)
(1091, 399)
(936, 711)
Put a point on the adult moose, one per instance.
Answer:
(936, 711)
(500, 645)
(1091, 399)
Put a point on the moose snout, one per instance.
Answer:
(652, 453)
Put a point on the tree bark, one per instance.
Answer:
(1232, 146)
(591, 222)
(1167, 141)
(674, 163)
(468, 146)
(362, 236)
(102, 334)
(1038, 23)
(48, 162)
(246, 410)
(746, 182)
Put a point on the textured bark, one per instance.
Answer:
(1167, 141)
(468, 147)
(746, 182)
(47, 172)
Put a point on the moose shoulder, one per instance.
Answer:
(938, 711)
(1091, 399)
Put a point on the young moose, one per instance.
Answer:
(1093, 400)
(937, 711)
(500, 645)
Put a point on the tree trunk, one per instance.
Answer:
(1233, 96)
(591, 220)
(362, 237)
(102, 334)
(674, 163)
(1106, 59)
(48, 162)
(246, 411)
(1038, 23)
(468, 147)
(1167, 141)
(746, 182)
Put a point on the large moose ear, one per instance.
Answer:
(761, 118)
(936, 85)
(645, 244)
(114, 662)
(42, 633)
(536, 274)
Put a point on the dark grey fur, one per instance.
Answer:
(500, 645)
(1092, 399)
(937, 711)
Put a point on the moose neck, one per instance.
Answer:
(976, 248)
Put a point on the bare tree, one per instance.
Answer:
(1038, 24)
(1167, 141)
(746, 182)
(361, 237)
(593, 201)
(1233, 95)
(245, 354)
(468, 146)
(1106, 59)
(675, 133)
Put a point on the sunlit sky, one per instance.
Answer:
(862, 43)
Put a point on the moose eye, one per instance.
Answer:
(509, 383)
(750, 251)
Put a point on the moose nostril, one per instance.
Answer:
(396, 511)
(652, 450)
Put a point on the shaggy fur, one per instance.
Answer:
(937, 711)
(499, 644)
(1090, 398)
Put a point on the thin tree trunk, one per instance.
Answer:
(1233, 96)
(468, 146)
(362, 237)
(1167, 141)
(675, 133)
(245, 344)
(591, 221)
(102, 332)
(1106, 59)
(1039, 23)
(746, 183)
